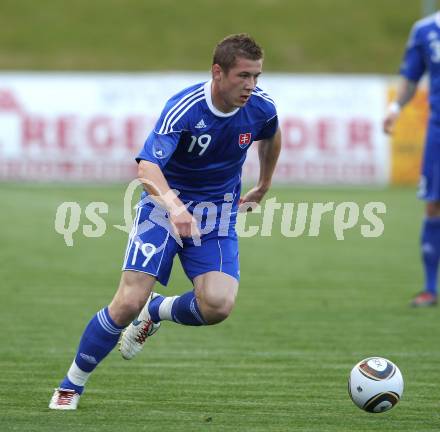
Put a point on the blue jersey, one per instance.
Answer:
(200, 149)
(423, 54)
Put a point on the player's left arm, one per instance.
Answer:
(405, 92)
(268, 152)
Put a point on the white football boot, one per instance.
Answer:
(134, 336)
(64, 399)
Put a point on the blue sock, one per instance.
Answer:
(153, 308)
(98, 339)
(430, 245)
(183, 309)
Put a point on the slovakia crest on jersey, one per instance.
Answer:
(244, 139)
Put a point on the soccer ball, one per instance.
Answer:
(375, 384)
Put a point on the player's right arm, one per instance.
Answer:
(156, 185)
(411, 70)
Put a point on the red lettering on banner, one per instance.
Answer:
(64, 128)
(100, 134)
(72, 134)
(133, 130)
(360, 134)
(8, 102)
(325, 135)
(295, 134)
(34, 132)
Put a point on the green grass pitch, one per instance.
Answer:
(308, 309)
(298, 36)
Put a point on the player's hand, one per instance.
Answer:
(389, 122)
(251, 199)
(184, 224)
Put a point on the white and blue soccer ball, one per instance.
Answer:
(375, 384)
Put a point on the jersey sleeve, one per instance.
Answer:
(162, 141)
(271, 124)
(413, 65)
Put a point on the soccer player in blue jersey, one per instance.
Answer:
(190, 167)
(423, 55)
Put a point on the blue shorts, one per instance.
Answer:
(429, 186)
(152, 247)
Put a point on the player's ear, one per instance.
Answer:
(216, 72)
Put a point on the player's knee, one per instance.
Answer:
(217, 309)
(125, 308)
(132, 305)
(221, 313)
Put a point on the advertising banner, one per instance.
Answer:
(89, 127)
(332, 131)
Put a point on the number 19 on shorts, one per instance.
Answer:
(147, 249)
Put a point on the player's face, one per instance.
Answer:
(234, 88)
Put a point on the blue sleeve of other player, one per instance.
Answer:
(413, 65)
(269, 129)
(159, 148)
